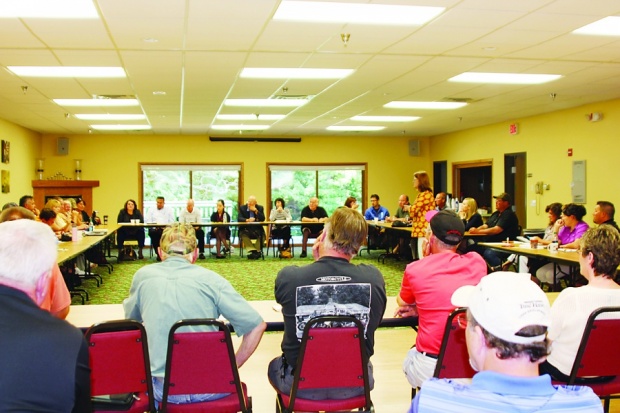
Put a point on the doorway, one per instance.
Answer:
(474, 180)
(515, 183)
(440, 176)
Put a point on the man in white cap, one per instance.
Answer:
(506, 332)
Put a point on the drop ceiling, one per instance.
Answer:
(183, 59)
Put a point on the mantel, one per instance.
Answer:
(44, 189)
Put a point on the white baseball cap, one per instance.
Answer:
(504, 303)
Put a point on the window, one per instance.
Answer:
(332, 184)
(203, 183)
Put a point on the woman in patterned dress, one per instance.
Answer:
(424, 202)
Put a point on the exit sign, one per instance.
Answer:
(514, 128)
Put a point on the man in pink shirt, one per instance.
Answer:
(428, 285)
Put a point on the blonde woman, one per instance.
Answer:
(469, 214)
(424, 202)
(62, 223)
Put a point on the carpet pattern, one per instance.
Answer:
(254, 280)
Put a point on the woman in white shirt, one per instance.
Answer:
(599, 258)
(278, 231)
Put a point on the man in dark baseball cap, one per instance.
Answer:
(428, 285)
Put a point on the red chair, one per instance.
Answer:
(119, 363)
(332, 355)
(598, 354)
(453, 359)
(203, 362)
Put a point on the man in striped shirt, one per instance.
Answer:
(506, 332)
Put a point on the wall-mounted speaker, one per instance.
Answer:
(414, 147)
(62, 146)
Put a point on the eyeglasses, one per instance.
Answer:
(461, 320)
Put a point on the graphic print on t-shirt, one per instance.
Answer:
(331, 299)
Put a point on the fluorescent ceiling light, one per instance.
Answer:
(250, 117)
(385, 118)
(120, 127)
(503, 78)
(293, 73)
(406, 104)
(97, 102)
(239, 127)
(608, 26)
(109, 116)
(355, 128)
(327, 12)
(266, 102)
(67, 71)
(48, 9)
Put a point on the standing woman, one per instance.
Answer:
(129, 212)
(221, 233)
(424, 202)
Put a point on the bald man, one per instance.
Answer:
(190, 215)
(252, 212)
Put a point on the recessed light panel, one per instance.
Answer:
(48, 9)
(355, 128)
(250, 117)
(97, 102)
(328, 12)
(385, 118)
(120, 127)
(293, 73)
(608, 26)
(239, 127)
(407, 104)
(504, 78)
(266, 102)
(67, 71)
(110, 116)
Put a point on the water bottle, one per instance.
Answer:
(74, 234)
(224, 218)
(93, 221)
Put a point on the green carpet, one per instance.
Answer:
(254, 280)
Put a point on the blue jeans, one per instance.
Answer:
(158, 393)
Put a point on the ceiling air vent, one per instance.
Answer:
(114, 97)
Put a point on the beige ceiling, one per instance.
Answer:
(202, 45)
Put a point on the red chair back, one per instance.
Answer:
(119, 361)
(453, 359)
(203, 362)
(332, 355)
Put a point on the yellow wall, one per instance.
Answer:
(545, 139)
(25, 148)
(113, 160)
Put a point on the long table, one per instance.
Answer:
(71, 249)
(83, 316)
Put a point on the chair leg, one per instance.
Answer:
(606, 401)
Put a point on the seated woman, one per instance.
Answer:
(569, 229)
(351, 202)
(62, 223)
(221, 233)
(79, 215)
(598, 261)
(469, 214)
(279, 231)
(130, 211)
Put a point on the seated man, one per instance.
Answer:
(311, 213)
(44, 360)
(604, 212)
(295, 286)
(164, 293)
(506, 332)
(159, 215)
(502, 224)
(27, 201)
(376, 236)
(440, 201)
(252, 212)
(399, 240)
(190, 215)
(57, 300)
(427, 287)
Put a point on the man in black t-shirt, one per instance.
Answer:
(311, 213)
(502, 224)
(330, 285)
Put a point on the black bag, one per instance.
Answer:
(127, 254)
(97, 256)
(64, 237)
(113, 402)
(399, 224)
